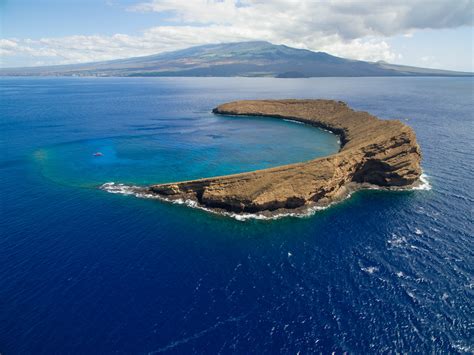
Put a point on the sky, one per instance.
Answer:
(425, 33)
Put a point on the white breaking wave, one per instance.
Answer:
(309, 124)
(123, 189)
(306, 213)
(293, 121)
(143, 192)
(424, 183)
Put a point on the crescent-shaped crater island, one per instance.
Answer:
(377, 152)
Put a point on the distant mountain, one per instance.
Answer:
(250, 59)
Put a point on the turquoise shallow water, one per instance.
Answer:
(201, 146)
(86, 271)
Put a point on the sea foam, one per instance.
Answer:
(424, 183)
(143, 192)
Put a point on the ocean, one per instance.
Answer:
(88, 271)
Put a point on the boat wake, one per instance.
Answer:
(143, 192)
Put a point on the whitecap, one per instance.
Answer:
(465, 348)
(397, 241)
(370, 269)
(411, 295)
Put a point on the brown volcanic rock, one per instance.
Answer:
(374, 151)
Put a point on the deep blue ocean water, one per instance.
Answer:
(86, 271)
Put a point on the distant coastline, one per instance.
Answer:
(239, 59)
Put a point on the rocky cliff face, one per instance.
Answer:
(373, 151)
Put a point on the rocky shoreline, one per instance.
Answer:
(373, 152)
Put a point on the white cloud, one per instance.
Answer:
(347, 19)
(8, 47)
(352, 29)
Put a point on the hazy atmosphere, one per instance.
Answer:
(431, 34)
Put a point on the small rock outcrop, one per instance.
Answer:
(373, 151)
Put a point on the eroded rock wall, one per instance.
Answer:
(380, 152)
